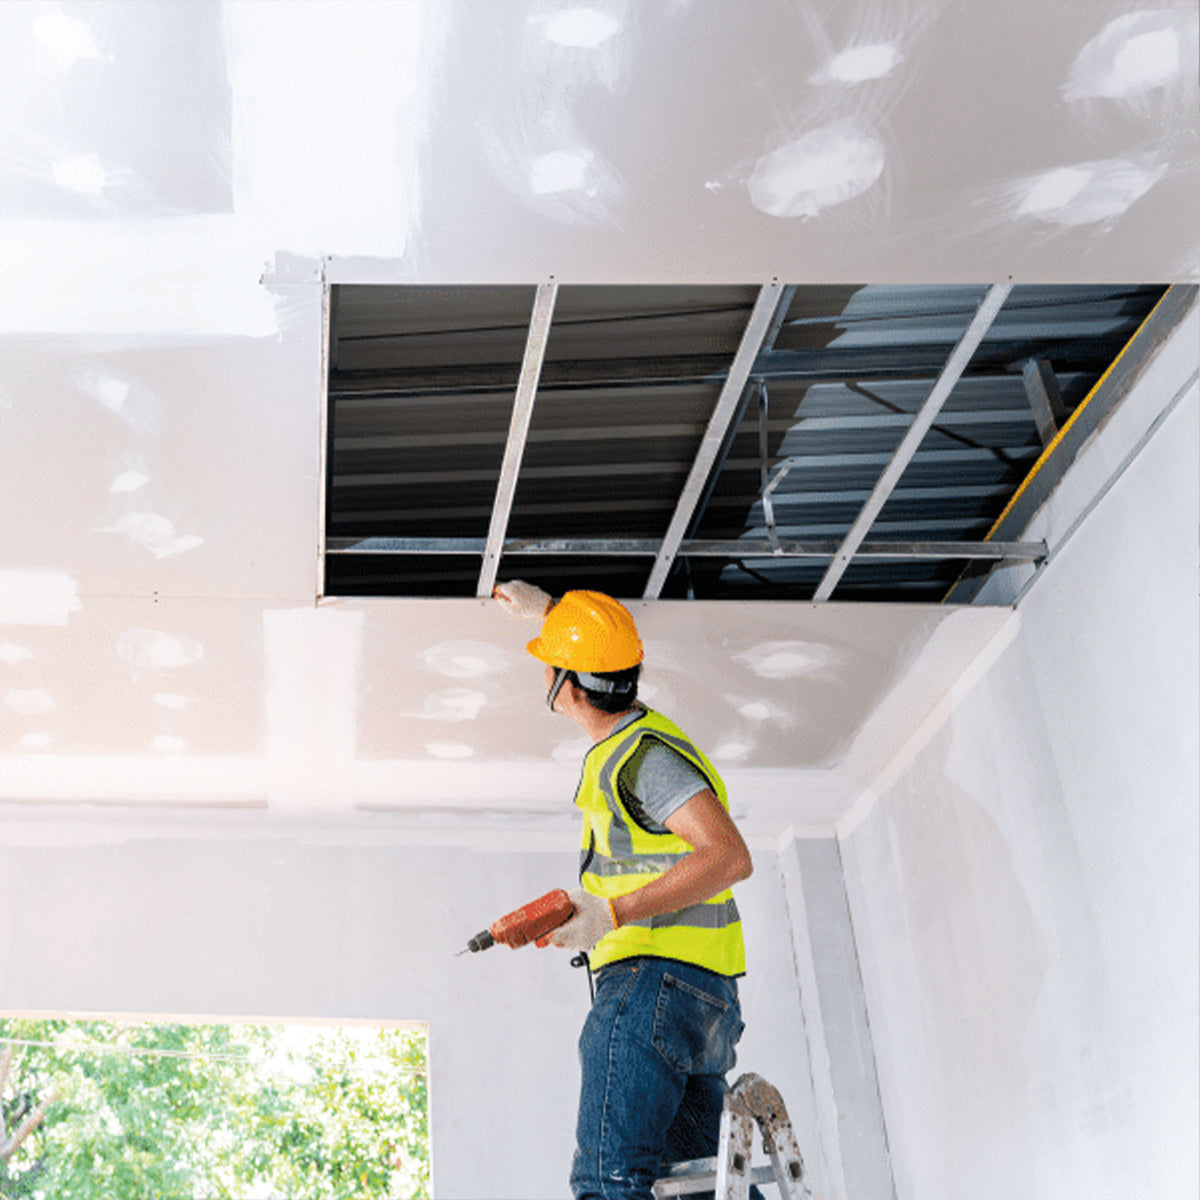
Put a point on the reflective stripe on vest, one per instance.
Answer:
(618, 856)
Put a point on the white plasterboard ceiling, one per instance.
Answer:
(179, 180)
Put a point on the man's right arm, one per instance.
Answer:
(719, 858)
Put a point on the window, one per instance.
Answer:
(107, 1108)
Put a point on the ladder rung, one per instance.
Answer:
(752, 1100)
(700, 1175)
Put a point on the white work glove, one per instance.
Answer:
(594, 917)
(521, 599)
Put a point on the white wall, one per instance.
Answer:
(313, 925)
(1024, 892)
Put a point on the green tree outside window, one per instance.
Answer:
(104, 1110)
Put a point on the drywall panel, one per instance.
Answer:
(129, 688)
(160, 466)
(145, 86)
(1025, 891)
(432, 710)
(318, 926)
(510, 140)
(760, 685)
(158, 156)
(924, 139)
(160, 393)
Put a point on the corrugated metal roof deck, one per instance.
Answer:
(421, 396)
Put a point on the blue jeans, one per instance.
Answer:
(654, 1052)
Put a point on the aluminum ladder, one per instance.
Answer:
(752, 1100)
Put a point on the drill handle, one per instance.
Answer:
(531, 922)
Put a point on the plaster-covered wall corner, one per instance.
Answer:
(850, 1160)
(1024, 887)
(948, 666)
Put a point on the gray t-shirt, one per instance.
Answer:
(656, 781)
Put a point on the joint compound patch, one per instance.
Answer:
(788, 660)
(82, 173)
(105, 389)
(154, 650)
(448, 750)
(452, 704)
(1087, 193)
(581, 28)
(129, 481)
(759, 711)
(61, 41)
(37, 597)
(12, 654)
(732, 751)
(822, 168)
(860, 64)
(563, 171)
(153, 532)
(1136, 54)
(465, 659)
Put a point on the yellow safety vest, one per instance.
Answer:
(618, 856)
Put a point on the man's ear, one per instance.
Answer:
(578, 698)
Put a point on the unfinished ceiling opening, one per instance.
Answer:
(707, 442)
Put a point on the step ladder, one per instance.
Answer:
(752, 1100)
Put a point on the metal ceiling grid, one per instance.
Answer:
(708, 442)
(630, 381)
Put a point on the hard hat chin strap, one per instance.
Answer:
(594, 683)
(560, 677)
(589, 683)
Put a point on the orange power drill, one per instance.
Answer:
(526, 924)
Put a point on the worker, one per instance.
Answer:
(654, 910)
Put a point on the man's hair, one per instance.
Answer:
(609, 691)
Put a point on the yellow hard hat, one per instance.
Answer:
(588, 631)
